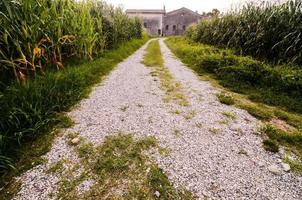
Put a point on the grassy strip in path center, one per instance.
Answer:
(153, 58)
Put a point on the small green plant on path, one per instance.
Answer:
(153, 58)
(229, 115)
(226, 98)
(214, 131)
(199, 125)
(177, 132)
(190, 115)
(120, 169)
(176, 112)
(57, 167)
(124, 108)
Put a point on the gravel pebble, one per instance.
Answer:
(210, 165)
(285, 167)
(75, 141)
(274, 169)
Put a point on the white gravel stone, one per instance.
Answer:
(75, 141)
(285, 167)
(274, 169)
(210, 165)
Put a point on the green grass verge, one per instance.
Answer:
(295, 165)
(32, 110)
(274, 85)
(120, 169)
(288, 139)
(153, 58)
(266, 92)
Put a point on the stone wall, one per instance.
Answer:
(177, 22)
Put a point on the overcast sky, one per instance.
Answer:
(199, 5)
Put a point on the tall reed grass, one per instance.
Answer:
(267, 31)
(36, 35)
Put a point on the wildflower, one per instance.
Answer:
(37, 52)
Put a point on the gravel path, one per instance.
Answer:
(210, 154)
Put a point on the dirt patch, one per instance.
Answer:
(282, 125)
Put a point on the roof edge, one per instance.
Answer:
(173, 11)
(145, 11)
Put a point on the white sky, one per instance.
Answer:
(199, 5)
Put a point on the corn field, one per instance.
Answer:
(36, 35)
(271, 32)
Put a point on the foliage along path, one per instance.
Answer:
(176, 124)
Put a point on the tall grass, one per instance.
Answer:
(40, 34)
(267, 31)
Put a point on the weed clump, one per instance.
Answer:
(226, 99)
(271, 145)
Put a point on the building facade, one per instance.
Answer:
(160, 23)
(177, 21)
(152, 20)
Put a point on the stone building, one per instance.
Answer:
(152, 19)
(158, 22)
(177, 21)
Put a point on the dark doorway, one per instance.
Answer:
(159, 32)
